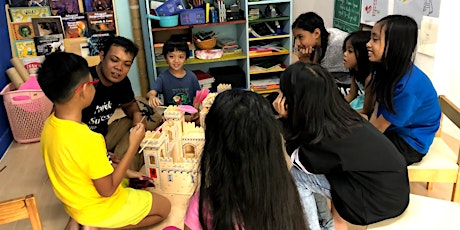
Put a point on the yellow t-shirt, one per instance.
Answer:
(74, 155)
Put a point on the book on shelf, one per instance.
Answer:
(25, 14)
(22, 30)
(63, 7)
(32, 63)
(96, 42)
(98, 5)
(75, 25)
(203, 78)
(47, 25)
(261, 29)
(101, 21)
(28, 3)
(25, 48)
(49, 44)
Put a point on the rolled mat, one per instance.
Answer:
(17, 63)
(15, 78)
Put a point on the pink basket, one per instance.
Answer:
(27, 111)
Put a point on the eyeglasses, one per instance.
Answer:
(93, 82)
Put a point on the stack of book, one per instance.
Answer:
(267, 85)
(267, 66)
(204, 79)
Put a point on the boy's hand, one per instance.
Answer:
(137, 134)
(154, 102)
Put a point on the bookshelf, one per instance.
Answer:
(237, 30)
(276, 13)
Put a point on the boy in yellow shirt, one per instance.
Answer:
(75, 157)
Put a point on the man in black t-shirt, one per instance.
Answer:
(114, 91)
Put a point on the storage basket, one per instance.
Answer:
(206, 44)
(169, 8)
(27, 111)
(192, 16)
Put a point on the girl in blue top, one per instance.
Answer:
(356, 60)
(407, 109)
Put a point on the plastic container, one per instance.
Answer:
(27, 111)
(192, 16)
(166, 21)
(169, 8)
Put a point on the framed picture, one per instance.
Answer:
(25, 14)
(22, 30)
(25, 48)
(47, 26)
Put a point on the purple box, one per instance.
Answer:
(193, 16)
(170, 7)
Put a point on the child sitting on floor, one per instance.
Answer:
(75, 157)
(178, 85)
(245, 182)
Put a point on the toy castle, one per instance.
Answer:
(172, 155)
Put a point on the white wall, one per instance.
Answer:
(443, 69)
(125, 30)
(324, 8)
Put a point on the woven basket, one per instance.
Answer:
(206, 44)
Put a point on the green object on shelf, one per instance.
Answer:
(226, 57)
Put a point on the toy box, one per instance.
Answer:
(192, 16)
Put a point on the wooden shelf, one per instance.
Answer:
(269, 19)
(267, 2)
(191, 61)
(268, 54)
(199, 25)
(270, 37)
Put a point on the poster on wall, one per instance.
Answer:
(417, 8)
(428, 35)
(347, 15)
(373, 10)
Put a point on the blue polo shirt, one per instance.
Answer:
(418, 112)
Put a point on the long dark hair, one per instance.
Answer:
(245, 182)
(309, 22)
(400, 41)
(316, 109)
(358, 40)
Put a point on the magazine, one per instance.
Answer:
(25, 14)
(96, 41)
(22, 30)
(49, 44)
(75, 26)
(32, 63)
(47, 25)
(25, 48)
(101, 21)
(63, 7)
(98, 5)
(16, 3)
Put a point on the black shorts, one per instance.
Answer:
(410, 154)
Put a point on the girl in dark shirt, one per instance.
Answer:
(336, 153)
